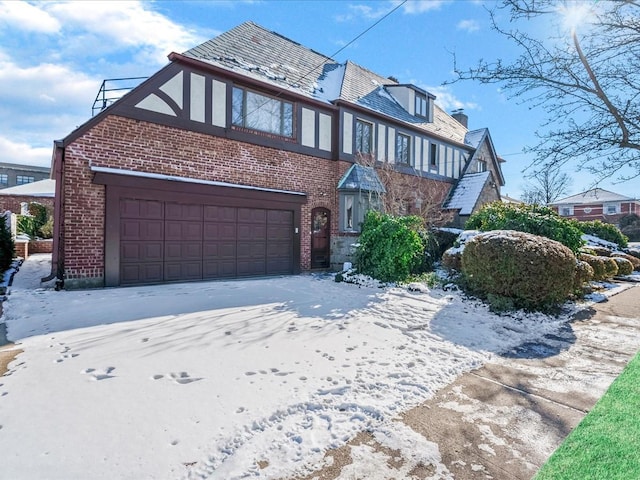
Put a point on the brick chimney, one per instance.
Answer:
(461, 117)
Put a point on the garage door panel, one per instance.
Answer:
(223, 250)
(219, 269)
(248, 231)
(175, 251)
(149, 209)
(279, 234)
(220, 231)
(213, 213)
(135, 252)
(251, 267)
(183, 231)
(252, 215)
(134, 229)
(141, 273)
(279, 217)
(183, 211)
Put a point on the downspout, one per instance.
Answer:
(57, 255)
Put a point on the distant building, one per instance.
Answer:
(42, 191)
(13, 174)
(597, 204)
(508, 199)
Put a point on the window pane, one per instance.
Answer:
(287, 121)
(364, 137)
(237, 109)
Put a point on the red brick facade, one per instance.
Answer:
(127, 144)
(135, 145)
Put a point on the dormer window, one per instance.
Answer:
(421, 109)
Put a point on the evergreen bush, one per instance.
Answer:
(390, 248)
(532, 271)
(625, 267)
(597, 264)
(7, 245)
(583, 274)
(605, 231)
(534, 219)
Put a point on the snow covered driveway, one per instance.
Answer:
(229, 379)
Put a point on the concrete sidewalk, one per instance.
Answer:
(504, 420)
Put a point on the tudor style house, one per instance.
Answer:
(252, 155)
(597, 204)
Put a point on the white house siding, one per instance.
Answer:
(391, 144)
(196, 111)
(347, 133)
(308, 128)
(219, 118)
(324, 129)
(382, 145)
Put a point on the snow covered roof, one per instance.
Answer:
(467, 192)
(362, 178)
(267, 56)
(595, 195)
(41, 188)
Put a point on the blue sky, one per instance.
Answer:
(54, 56)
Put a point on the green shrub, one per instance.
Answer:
(583, 274)
(390, 247)
(597, 264)
(39, 222)
(610, 267)
(7, 245)
(634, 261)
(534, 219)
(625, 267)
(605, 231)
(532, 271)
(632, 232)
(629, 219)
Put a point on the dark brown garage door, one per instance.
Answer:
(169, 241)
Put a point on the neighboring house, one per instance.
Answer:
(41, 192)
(252, 155)
(13, 174)
(511, 200)
(597, 204)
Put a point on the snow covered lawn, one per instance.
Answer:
(229, 379)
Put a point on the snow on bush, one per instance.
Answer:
(530, 271)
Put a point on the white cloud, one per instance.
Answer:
(468, 25)
(25, 154)
(446, 99)
(131, 24)
(421, 6)
(25, 16)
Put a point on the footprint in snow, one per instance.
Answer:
(181, 378)
(97, 375)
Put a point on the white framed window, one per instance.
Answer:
(566, 211)
(4, 179)
(482, 166)
(403, 151)
(421, 106)
(364, 136)
(354, 207)
(433, 155)
(261, 112)
(611, 208)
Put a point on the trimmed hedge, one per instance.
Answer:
(634, 260)
(7, 245)
(534, 219)
(583, 273)
(625, 267)
(605, 231)
(531, 271)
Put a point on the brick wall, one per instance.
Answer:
(119, 142)
(12, 202)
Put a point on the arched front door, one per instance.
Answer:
(320, 238)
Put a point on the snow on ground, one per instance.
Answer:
(229, 379)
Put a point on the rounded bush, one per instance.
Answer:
(625, 267)
(583, 274)
(605, 231)
(597, 263)
(610, 266)
(634, 261)
(534, 219)
(452, 259)
(532, 271)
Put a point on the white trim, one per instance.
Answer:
(159, 176)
